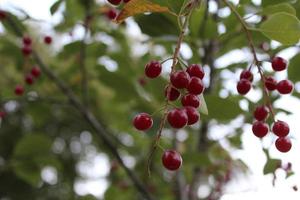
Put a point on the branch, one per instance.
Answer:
(89, 116)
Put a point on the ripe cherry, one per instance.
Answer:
(195, 70)
(190, 100)
(180, 79)
(270, 83)
(19, 90)
(171, 93)
(2, 114)
(2, 14)
(283, 144)
(279, 64)
(281, 128)
(177, 118)
(142, 121)
(195, 86)
(114, 2)
(111, 14)
(261, 113)
(171, 160)
(285, 87)
(260, 129)
(153, 69)
(29, 79)
(246, 74)
(26, 50)
(36, 72)
(243, 86)
(48, 39)
(27, 41)
(193, 115)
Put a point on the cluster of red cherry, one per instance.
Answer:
(191, 85)
(111, 13)
(35, 71)
(260, 128)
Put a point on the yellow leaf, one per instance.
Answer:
(134, 7)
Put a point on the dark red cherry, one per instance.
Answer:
(153, 69)
(281, 128)
(177, 118)
(195, 70)
(171, 160)
(193, 115)
(246, 74)
(283, 144)
(279, 64)
(180, 79)
(142, 121)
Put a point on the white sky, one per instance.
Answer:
(257, 186)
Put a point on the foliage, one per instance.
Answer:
(43, 129)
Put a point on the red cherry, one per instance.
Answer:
(285, 87)
(195, 86)
(2, 114)
(171, 93)
(153, 69)
(19, 90)
(270, 83)
(190, 100)
(279, 64)
(260, 129)
(48, 39)
(246, 74)
(177, 118)
(281, 128)
(261, 113)
(36, 71)
(180, 79)
(142, 121)
(114, 2)
(2, 14)
(111, 14)
(283, 144)
(27, 41)
(243, 86)
(171, 160)
(195, 70)
(26, 50)
(193, 114)
(29, 79)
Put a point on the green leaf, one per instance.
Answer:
(222, 109)
(55, 6)
(203, 108)
(32, 145)
(282, 7)
(31, 154)
(271, 166)
(282, 27)
(294, 69)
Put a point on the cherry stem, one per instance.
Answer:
(256, 61)
(162, 62)
(175, 61)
